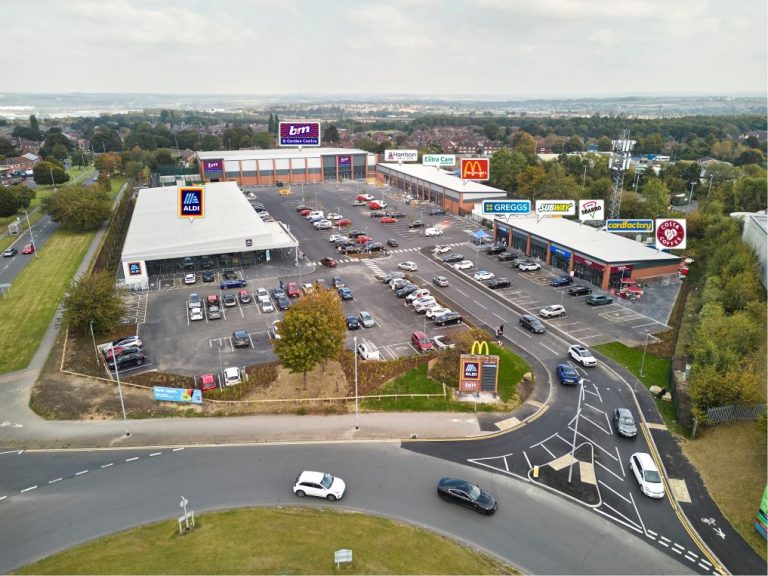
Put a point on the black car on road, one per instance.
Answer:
(392, 243)
(130, 357)
(436, 212)
(579, 290)
(453, 258)
(532, 323)
(466, 494)
(416, 224)
(497, 283)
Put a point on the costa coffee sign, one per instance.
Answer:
(670, 234)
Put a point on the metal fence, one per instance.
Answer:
(734, 413)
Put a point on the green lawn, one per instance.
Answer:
(655, 373)
(270, 541)
(35, 296)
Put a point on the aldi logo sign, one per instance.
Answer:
(470, 370)
(191, 202)
(134, 268)
(299, 134)
(475, 168)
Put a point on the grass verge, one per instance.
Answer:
(263, 541)
(35, 295)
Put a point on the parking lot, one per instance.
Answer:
(181, 345)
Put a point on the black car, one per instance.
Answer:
(405, 290)
(353, 322)
(229, 274)
(494, 249)
(279, 183)
(237, 283)
(506, 256)
(497, 283)
(337, 282)
(395, 214)
(392, 243)
(373, 247)
(378, 214)
(447, 318)
(283, 302)
(436, 212)
(355, 234)
(208, 276)
(467, 494)
(416, 224)
(452, 258)
(579, 291)
(130, 357)
(229, 300)
(532, 323)
(240, 339)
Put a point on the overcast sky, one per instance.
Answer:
(512, 48)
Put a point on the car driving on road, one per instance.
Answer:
(410, 266)
(467, 494)
(567, 374)
(582, 355)
(320, 485)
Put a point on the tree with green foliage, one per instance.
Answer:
(574, 144)
(104, 183)
(110, 163)
(331, 134)
(276, 126)
(312, 331)
(106, 140)
(9, 201)
(263, 140)
(93, 298)
(506, 165)
(56, 141)
(525, 144)
(492, 131)
(7, 148)
(78, 208)
(271, 124)
(210, 142)
(163, 157)
(49, 172)
(656, 198)
(604, 144)
(750, 156)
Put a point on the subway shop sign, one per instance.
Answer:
(506, 206)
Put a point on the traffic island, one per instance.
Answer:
(581, 469)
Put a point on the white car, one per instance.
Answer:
(307, 288)
(647, 474)
(190, 278)
(276, 329)
(334, 216)
(410, 266)
(464, 265)
(433, 232)
(436, 310)
(368, 351)
(319, 484)
(266, 304)
(366, 197)
(232, 376)
(529, 266)
(552, 311)
(335, 237)
(437, 250)
(261, 292)
(582, 355)
(420, 293)
(323, 225)
(423, 304)
(195, 313)
(484, 275)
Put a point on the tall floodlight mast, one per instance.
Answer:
(618, 165)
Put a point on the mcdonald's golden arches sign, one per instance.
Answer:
(475, 168)
(478, 370)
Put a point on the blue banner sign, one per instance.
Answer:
(165, 394)
(506, 206)
(627, 226)
(556, 250)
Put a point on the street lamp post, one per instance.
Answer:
(645, 347)
(119, 389)
(95, 348)
(31, 236)
(357, 423)
(584, 178)
(221, 369)
(575, 429)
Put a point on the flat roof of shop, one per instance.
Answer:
(445, 179)
(593, 242)
(277, 153)
(230, 225)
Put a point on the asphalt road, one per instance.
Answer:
(41, 230)
(83, 495)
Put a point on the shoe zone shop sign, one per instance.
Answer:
(299, 134)
(478, 370)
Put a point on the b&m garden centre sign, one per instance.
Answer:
(299, 134)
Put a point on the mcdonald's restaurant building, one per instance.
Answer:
(594, 255)
(435, 185)
(286, 165)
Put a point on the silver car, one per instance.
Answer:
(624, 423)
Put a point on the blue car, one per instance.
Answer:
(236, 283)
(353, 322)
(567, 374)
(346, 293)
(561, 281)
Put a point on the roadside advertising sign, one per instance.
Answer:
(475, 168)
(212, 166)
(591, 209)
(478, 370)
(401, 155)
(555, 207)
(299, 133)
(506, 206)
(191, 201)
(191, 395)
(670, 234)
(439, 160)
(629, 226)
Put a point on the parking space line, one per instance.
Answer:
(499, 317)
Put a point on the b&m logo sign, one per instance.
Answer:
(212, 166)
(191, 202)
(345, 160)
(134, 268)
(299, 134)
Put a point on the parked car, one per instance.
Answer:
(232, 376)
(506, 256)
(483, 275)
(437, 250)
(392, 243)
(582, 355)
(416, 224)
(464, 265)
(647, 474)
(447, 318)
(240, 339)
(132, 357)
(323, 225)
(245, 297)
(305, 212)
(293, 290)
(529, 266)
(321, 284)
(214, 313)
(346, 293)
(279, 183)
(436, 212)
(495, 249)
(561, 281)
(128, 341)
(373, 247)
(228, 300)
(333, 216)
(353, 322)
(363, 239)
(194, 301)
(435, 310)
(387, 220)
(266, 304)
(453, 258)
(359, 203)
(421, 342)
(196, 314)
(320, 485)
(208, 382)
(229, 284)
(405, 290)
(229, 274)
(118, 351)
(567, 374)
(497, 283)
(337, 282)
(441, 281)
(579, 290)
(420, 293)
(366, 319)
(190, 279)
(552, 311)
(442, 342)
(344, 222)
(282, 302)
(532, 323)
(334, 237)
(10, 253)
(599, 300)
(28, 249)
(208, 276)
(277, 292)
(624, 423)
(368, 351)
(395, 214)
(421, 305)
(431, 231)
(410, 266)
(467, 494)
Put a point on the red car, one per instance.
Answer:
(375, 206)
(328, 261)
(344, 222)
(293, 290)
(387, 220)
(362, 239)
(305, 212)
(28, 249)
(207, 382)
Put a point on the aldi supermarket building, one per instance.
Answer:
(229, 234)
(287, 165)
(599, 257)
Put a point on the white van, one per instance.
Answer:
(433, 232)
(315, 214)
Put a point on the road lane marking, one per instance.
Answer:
(155, 454)
(627, 500)
(550, 349)
(81, 472)
(627, 522)
(107, 465)
(131, 459)
(28, 489)
(55, 480)
(177, 449)
(604, 467)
